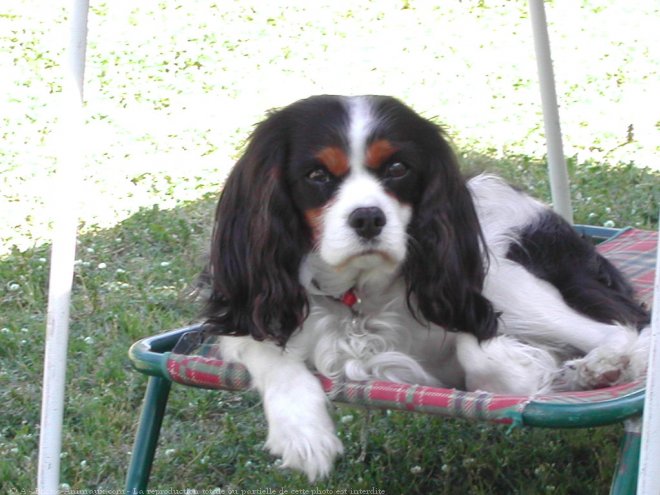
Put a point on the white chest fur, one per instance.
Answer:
(377, 338)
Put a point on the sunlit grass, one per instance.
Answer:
(173, 88)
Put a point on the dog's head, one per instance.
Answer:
(359, 183)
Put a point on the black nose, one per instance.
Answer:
(367, 222)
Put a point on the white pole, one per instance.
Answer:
(70, 155)
(649, 470)
(559, 185)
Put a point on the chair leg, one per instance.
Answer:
(625, 476)
(146, 438)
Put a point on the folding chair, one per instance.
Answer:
(166, 358)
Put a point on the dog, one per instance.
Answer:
(347, 241)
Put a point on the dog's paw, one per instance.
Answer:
(602, 367)
(607, 365)
(311, 449)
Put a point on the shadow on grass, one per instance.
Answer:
(131, 281)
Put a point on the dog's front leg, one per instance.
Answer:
(300, 429)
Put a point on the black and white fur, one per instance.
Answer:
(470, 284)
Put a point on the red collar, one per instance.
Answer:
(350, 298)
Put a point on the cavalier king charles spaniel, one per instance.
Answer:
(347, 242)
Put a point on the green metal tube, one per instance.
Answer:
(146, 438)
(549, 415)
(627, 468)
(149, 355)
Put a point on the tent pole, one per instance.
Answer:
(559, 184)
(649, 471)
(70, 157)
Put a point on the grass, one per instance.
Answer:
(170, 97)
(131, 281)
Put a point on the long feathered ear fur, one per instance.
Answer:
(445, 269)
(258, 243)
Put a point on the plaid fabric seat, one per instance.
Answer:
(633, 251)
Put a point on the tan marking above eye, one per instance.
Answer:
(334, 159)
(379, 152)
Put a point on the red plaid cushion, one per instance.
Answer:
(634, 252)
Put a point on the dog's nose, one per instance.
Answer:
(367, 222)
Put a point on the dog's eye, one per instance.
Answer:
(319, 175)
(395, 170)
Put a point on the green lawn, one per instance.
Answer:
(172, 90)
(131, 281)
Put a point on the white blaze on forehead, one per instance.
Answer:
(361, 122)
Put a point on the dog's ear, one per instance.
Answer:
(445, 268)
(258, 244)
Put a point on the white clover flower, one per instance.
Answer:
(164, 263)
(13, 287)
(347, 419)
(102, 266)
(416, 469)
(170, 452)
(88, 340)
(4, 330)
(609, 224)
